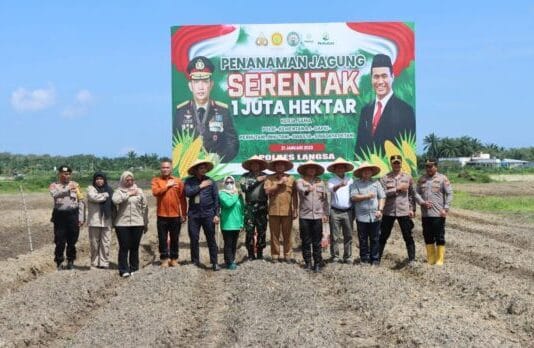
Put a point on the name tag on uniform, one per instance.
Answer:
(197, 199)
(216, 126)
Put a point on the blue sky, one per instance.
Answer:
(94, 77)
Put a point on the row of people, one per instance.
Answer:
(276, 199)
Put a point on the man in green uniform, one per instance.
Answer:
(256, 206)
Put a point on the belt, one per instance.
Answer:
(341, 210)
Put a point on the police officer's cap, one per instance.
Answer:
(381, 61)
(200, 68)
(64, 169)
(395, 159)
(431, 162)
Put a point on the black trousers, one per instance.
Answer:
(168, 227)
(129, 238)
(66, 233)
(230, 245)
(406, 225)
(434, 230)
(369, 233)
(311, 233)
(193, 226)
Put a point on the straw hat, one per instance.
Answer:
(348, 166)
(287, 163)
(192, 167)
(247, 163)
(319, 168)
(364, 165)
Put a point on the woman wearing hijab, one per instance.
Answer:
(100, 208)
(231, 219)
(131, 222)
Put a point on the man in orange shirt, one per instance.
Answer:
(172, 212)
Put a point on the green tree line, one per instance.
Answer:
(12, 164)
(433, 146)
(467, 146)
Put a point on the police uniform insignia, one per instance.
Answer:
(215, 137)
(199, 65)
(218, 118)
(216, 126)
(188, 116)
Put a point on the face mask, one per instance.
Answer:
(229, 187)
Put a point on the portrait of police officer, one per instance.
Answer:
(205, 117)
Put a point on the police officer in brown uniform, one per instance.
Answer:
(434, 194)
(68, 215)
(400, 206)
(204, 117)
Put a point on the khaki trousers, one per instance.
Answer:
(277, 225)
(99, 240)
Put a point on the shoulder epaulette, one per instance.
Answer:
(221, 104)
(182, 104)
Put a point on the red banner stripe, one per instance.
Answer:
(185, 37)
(399, 33)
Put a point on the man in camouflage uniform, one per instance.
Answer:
(400, 206)
(256, 206)
(434, 194)
(204, 117)
(68, 215)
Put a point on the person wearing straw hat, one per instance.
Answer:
(252, 183)
(369, 198)
(280, 187)
(341, 213)
(400, 206)
(203, 210)
(68, 215)
(313, 212)
(434, 194)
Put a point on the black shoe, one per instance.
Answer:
(70, 265)
(215, 267)
(260, 255)
(251, 257)
(317, 268)
(59, 266)
(308, 266)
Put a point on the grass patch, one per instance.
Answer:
(517, 205)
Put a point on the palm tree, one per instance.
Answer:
(431, 144)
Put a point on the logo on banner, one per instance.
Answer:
(308, 38)
(277, 39)
(325, 40)
(293, 39)
(261, 40)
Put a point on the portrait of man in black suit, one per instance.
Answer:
(386, 117)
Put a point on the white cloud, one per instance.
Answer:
(82, 102)
(23, 100)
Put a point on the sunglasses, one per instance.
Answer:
(228, 182)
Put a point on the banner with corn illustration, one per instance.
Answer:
(302, 91)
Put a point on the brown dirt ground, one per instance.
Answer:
(482, 296)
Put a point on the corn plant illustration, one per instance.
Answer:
(186, 149)
(404, 146)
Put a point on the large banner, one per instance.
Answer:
(304, 91)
